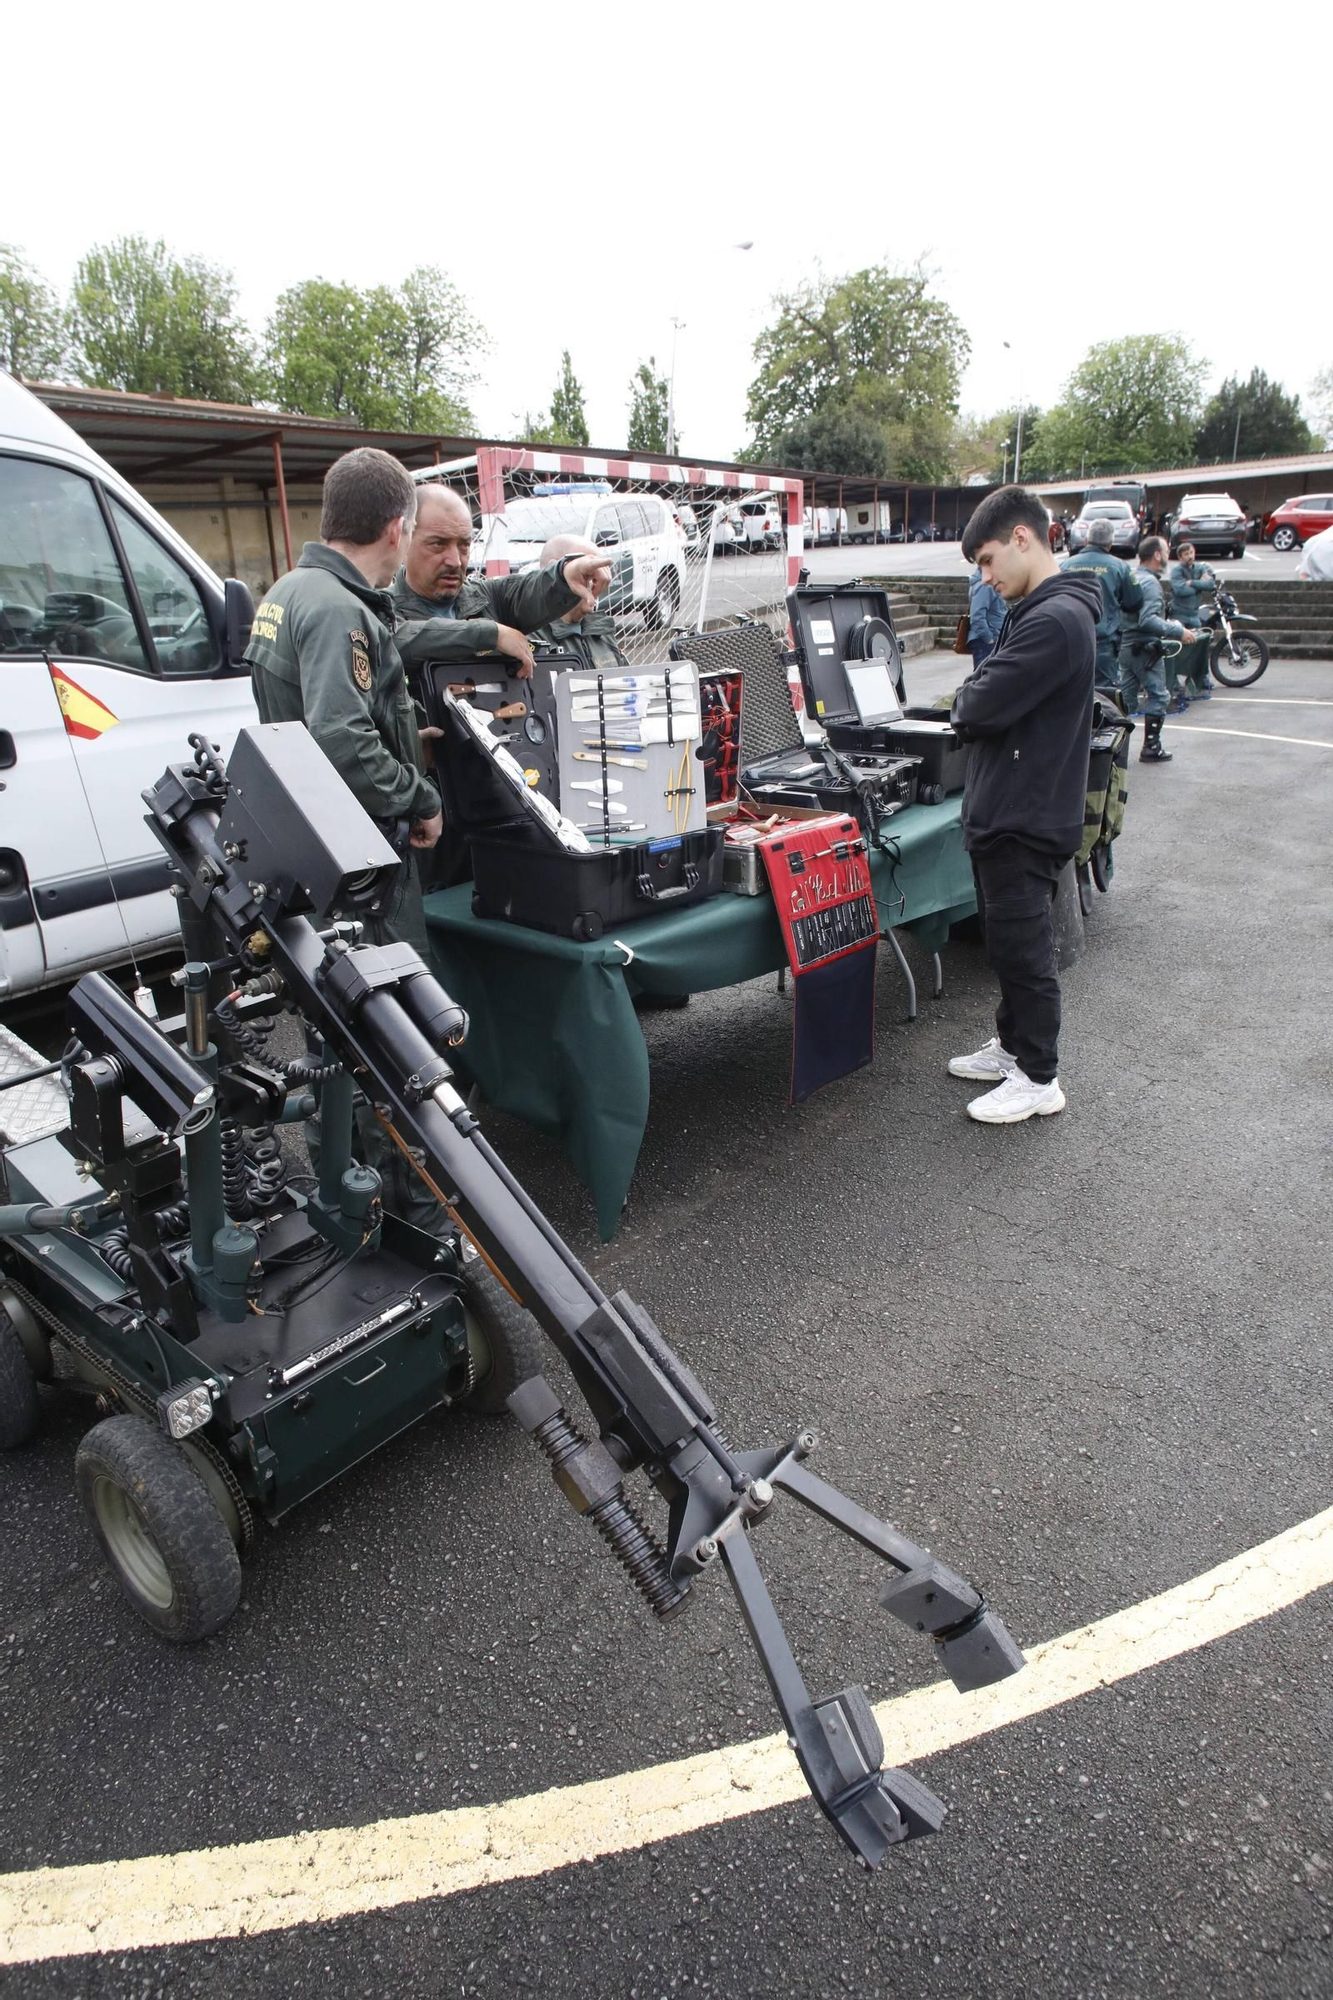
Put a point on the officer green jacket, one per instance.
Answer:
(592, 641)
(461, 630)
(1119, 592)
(1145, 619)
(1190, 584)
(322, 652)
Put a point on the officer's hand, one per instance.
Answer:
(426, 832)
(430, 736)
(588, 577)
(514, 647)
(1188, 638)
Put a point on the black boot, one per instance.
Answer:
(1152, 751)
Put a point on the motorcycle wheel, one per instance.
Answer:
(1240, 665)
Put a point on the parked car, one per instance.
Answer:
(642, 525)
(1132, 491)
(824, 524)
(117, 642)
(759, 524)
(1296, 520)
(1126, 531)
(1214, 522)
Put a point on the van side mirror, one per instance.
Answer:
(238, 615)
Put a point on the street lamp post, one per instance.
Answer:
(1005, 448)
(1018, 432)
(676, 326)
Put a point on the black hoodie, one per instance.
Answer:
(1026, 711)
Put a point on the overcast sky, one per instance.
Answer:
(584, 175)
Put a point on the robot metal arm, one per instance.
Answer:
(278, 845)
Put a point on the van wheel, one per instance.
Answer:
(20, 1408)
(504, 1341)
(170, 1550)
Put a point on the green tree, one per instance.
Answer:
(1257, 417)
(568, 420)
(876, 343)
(836, 439)
(1130, 405)
(32, 329)
(141, 318)
(432, 342)
(388, 359)
(648, 409)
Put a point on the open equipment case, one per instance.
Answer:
(778, 768)
(852, 671)
(522, 871)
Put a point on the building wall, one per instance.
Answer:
(233, 527)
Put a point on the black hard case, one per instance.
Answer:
(522, 875)
(924, 732)
(522, 878)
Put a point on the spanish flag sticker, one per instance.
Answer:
(85, 716)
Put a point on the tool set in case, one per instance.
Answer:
(576, 872)
(852, 672)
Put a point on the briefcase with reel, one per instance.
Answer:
(852, 671)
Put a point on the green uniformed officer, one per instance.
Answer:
(1190, 583)
(590, 635)
(1146, 626)
(322, 652)
(445, 615)
(1119, 595)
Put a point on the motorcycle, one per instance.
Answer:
(1236, 659)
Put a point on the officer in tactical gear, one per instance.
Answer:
(1119, 594)
(1145, 627)
(1189, 583)
(446, 615)
(321, 652)
(589, 635)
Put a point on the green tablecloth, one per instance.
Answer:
(554, 1038)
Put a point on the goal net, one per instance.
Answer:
(692, 548)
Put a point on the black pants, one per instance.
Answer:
(1015, 892)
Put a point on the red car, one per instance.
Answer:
(1296, 520)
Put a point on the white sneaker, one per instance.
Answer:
(1018, 1097)
(990, 1064)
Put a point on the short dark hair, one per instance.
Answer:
(1000, 513)
(363, 491)
(1152, 545)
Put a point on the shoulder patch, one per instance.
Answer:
(361, 660)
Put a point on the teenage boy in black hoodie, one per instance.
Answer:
(1026, 712)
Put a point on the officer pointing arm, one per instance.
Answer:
(445, 615)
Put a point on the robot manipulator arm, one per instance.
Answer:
(384, 1017)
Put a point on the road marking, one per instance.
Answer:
(1254, 735)
(1277, 701)
(308, 1878)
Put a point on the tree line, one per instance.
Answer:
(387, 357)
(858, 374)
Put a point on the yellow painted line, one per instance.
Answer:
(309, 1878)
(1254, 735)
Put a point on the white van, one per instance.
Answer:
(116, 641)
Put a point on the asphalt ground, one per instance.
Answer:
(1083, 1360)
